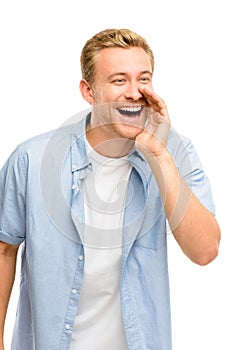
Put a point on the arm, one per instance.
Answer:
(8, 254)
(194, 227)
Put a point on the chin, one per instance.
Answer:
(128, 131)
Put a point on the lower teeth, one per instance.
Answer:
(130, 114)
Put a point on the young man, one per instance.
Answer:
(91, 201)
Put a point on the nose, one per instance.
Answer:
(132, 92)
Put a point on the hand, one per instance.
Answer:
(154, 137)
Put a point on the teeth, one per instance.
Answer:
(131, 109)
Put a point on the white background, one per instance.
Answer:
(193, 46)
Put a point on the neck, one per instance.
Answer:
(106, 143)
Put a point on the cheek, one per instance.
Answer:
(110, 93)
(148, 85)
(98, 97)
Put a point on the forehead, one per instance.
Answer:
(121, 59)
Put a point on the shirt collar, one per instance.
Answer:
(80, 159)
(82, 163)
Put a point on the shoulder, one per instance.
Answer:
(177, 140)
(53, 139)
(180, 146)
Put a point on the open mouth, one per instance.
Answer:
(130, 111)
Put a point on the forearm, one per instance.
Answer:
(193, 226)
(7, 274)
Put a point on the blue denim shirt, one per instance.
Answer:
(42, 208)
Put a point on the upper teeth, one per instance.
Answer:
(131, 109)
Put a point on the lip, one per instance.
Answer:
(130, 111)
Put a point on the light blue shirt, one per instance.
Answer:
(41, 206)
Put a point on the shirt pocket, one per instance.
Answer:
(153, 238)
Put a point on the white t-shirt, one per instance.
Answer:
(99, 323)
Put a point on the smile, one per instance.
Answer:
(130, 111)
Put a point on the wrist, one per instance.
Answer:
(162, 158)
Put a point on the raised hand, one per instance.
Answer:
(154, 137)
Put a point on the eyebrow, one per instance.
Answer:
(123, 74)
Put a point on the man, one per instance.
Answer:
(91, 202)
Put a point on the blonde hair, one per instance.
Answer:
(109, 38)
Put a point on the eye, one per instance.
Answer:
(119, 81)
(145, 79)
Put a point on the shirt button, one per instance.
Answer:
(67, 327)
(74, 166)
(74, 291)
(81, 257)
(74, 187)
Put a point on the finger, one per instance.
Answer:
(155, 101)
(152, 122)
(151, 95)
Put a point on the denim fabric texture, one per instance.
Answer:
(41, 207)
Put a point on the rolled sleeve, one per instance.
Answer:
(13, 181)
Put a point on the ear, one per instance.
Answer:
(87, 91)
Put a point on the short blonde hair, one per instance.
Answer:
(109, 38)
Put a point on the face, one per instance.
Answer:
(118, 104)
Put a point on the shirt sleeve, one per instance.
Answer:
(191, 169)
(13, 199)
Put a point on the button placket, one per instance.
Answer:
(74, 298)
